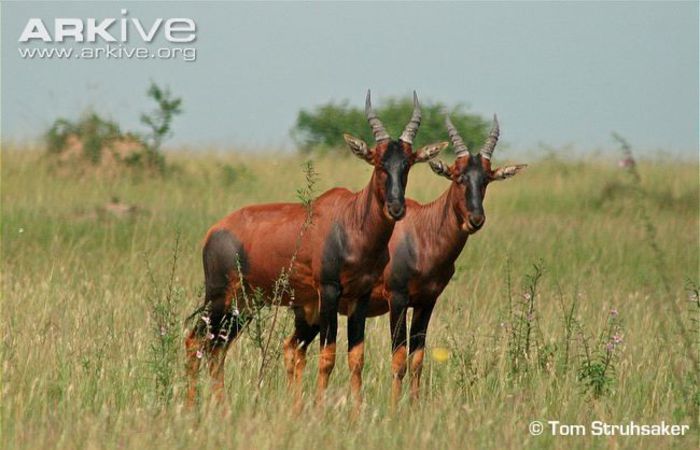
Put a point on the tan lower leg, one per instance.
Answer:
(289, 349)
(298, 369)
(416, 369)
(192, 346)
(398, 370)
(356, 361)
(326, 363)
(217, 358)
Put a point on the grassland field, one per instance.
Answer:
(93, 309)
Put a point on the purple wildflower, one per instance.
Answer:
(626, 163)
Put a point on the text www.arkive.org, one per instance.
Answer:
(107, 52)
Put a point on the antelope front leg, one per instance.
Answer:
(419, 330)
(193, 348)
(295, 354)
(356, 347)
(328, 327)
(398, 308)
(225, 328)
(289, 349)
(217, 359)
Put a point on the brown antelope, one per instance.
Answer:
(424, 247)
(335, 262)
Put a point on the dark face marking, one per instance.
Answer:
(334, 255)
(474, 178)
(396, 165)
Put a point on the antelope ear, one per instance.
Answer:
(430, 151)
(507, 171)
(359, 147)
(441, 168)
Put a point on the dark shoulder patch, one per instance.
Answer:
(403, 263)
(334, 254)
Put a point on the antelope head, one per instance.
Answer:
(471, 174)
(392, 159)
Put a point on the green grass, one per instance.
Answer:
(78, 290)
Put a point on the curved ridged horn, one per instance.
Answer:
(378, 130)
(487, 150)
(412, 128)
(459, 145)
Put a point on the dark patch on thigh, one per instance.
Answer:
(334, 254)
(223, 253)
(403, 264)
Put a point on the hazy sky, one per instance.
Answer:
(556, 73)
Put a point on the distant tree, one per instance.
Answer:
(159, 121)
(323, 127)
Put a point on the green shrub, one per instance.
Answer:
(93, 131)
(322, 128)
(98, 135)
(159, 122)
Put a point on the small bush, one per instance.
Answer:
(160, 123)
(236, 173)
(95, 133)
(164, 304)
(597, 369)
(323, 127)
(101, 142)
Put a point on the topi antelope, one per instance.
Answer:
(335, 262)
(424, 247)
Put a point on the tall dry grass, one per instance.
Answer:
(85, 364)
